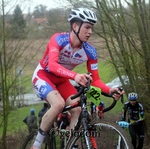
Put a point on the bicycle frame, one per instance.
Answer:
(83, 121)
(84, 116)
(74, 105)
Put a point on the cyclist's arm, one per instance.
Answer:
(92, 66)
(141, 111)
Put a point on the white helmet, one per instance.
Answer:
(83, 14)
(132, 96)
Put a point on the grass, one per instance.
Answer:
(16, 117)
(15, 122)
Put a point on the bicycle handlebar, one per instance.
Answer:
(83, 90)
(114, 101)
(111, 106)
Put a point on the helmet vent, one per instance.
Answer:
(85, 13)
(91, 21)
(82, 16)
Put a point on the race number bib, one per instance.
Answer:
(94, 94)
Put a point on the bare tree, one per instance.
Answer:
(126, 32)
(14, 54)
(127, 35)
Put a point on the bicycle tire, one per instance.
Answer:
(30, 140)
(107, 135)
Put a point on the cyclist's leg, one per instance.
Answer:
(67, 90)
(140, 130)
(30, 139)
(57, 104)
(47, 90)
(133, 135)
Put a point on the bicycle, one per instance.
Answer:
(88, 135)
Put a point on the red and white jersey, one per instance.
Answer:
(60, 59)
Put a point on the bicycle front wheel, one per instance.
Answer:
(30, 140)
(102, 136)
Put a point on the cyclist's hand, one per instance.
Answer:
(116, 93)
(82, 79)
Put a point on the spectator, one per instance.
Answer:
(31, 121)
(135, 112)
(42, 112)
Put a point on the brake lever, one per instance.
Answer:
(89, 83)
(120, 89)
(122, 98)
(82, 89)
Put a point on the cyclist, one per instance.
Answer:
(65, 51)
(135, 112)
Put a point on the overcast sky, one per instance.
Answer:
(26, 4)
(48, 3)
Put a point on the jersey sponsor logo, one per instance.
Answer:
(94, 66)
(66, 54)
(65, 72)
(78, 55)
(62, 40)
(91, 51)
(43, 89)
(54, 49)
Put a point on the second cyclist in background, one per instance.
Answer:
(134, 114)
